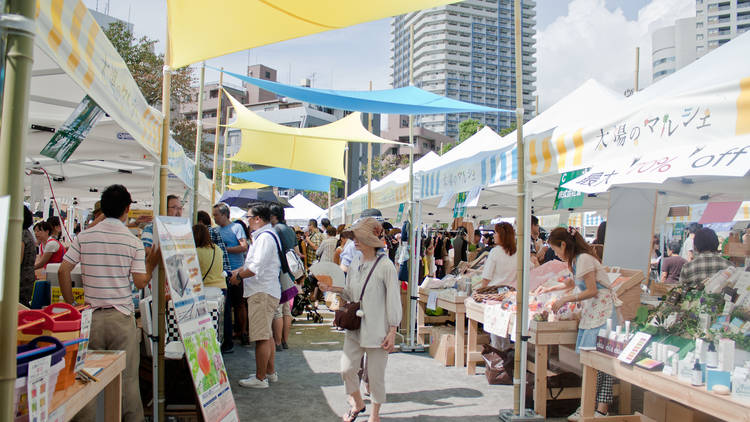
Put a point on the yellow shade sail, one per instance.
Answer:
(318, 150)
(247, 185)
(200, 29)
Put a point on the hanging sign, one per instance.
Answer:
(400, 214)
(566, 198)
(722, 159)
(75, 129)
(459, 208)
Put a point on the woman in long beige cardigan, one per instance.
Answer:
(381, 315)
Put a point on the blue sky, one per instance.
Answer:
(576, 40)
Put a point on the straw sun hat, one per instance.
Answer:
(368, 231)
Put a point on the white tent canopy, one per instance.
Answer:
(302, 211)
(692, 127)
(108, 155)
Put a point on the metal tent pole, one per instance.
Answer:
(224, 162)
(198, 140)
(523, 218)
(21, 28)
(369, 160)
(414, 222)
(216, 139)
(166, 93)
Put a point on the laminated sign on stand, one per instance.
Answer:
(193, 319)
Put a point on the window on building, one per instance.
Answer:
(268, 75)
(214, 93)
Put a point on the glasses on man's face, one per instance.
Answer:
(175, 207)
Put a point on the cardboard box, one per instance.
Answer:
(443, 345)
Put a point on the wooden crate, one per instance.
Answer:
(548, 333)
(628, 290)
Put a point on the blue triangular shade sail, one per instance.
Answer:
(407, 100)
(285, 178)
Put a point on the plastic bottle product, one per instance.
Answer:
(697, 375)
(627, 331)
(610, 348)
(619, 341)
(712, 356)
(601, 340)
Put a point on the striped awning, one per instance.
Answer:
(485, 169)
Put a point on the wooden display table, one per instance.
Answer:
(724, 407)
(457, 307)
(542, 336)
(79, 394)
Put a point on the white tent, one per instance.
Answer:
(680, 135)
(488, 160)
(302, 211)
(108, 155)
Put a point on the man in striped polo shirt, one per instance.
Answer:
(109, 256)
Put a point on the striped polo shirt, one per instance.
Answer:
(108, 254)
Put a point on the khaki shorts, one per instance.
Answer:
(260, 310)
(282, 310)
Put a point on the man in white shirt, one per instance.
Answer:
(262, 290)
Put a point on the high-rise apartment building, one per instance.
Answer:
(466, 51)
(717, 22)
(672, 48)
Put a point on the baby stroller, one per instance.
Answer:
(303, 302)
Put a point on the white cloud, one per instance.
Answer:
(594, 42)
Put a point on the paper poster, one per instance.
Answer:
(193, 320)
(73, 131)
(472, 200)
(36, 388)
(181, 266)
(4, 216)
(496, 320)
(203, 354)
(83, 347)
(432, 301)
(445, 199)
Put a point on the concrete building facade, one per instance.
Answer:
(211, 104)
(717, 22)
(672, 48)
(466, 51)
(425, 140)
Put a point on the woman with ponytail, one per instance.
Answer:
(591, 288)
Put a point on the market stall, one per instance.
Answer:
(107, 368)
(729, 408)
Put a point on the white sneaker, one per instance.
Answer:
(598, 414)
(270, 377)
(253, 382)
(575, 416)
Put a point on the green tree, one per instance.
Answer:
(508, 130)
(146, 66)
(321, 198)
(467, 128)
(446, 147)
(385, 164)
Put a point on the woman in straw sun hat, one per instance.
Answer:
(381, 314)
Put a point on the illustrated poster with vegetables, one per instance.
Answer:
(193, 319)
